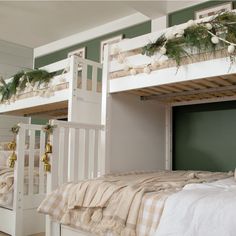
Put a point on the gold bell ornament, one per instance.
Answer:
(44, 158)
(12, 145)
(48, 148)
(13, 157)
(47, 167)
(12, 160)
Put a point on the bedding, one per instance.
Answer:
(7, 185)
(201, 209)
(125, 204)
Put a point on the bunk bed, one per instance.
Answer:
(74, 93)
(76, 96)
(137, 100)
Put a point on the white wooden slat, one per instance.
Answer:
(77, 125)
(61, 148)
(65, 156)
(86, 154)
(95, 153)
(19, 182)
(60, 65)
(41, 168)
(75, 164)
(89, 62)
(94, 79)
(84, 76)
(31, 162)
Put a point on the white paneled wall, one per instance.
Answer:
(13, 58)
(137, 134)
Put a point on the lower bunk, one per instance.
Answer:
(144, 203)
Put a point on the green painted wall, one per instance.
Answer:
(205, 137)
(93, 46)
(39, 121)
(186, 14)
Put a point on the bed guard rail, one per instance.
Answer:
(76, 152)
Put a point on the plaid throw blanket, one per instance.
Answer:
(7, 183)
(124, 204)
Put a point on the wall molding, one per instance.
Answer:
(96, 32)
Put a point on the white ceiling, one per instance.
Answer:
(35, 23)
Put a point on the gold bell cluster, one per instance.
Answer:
(45, 157)
(12, 157)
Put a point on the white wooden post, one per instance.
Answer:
(73, 78)
(168, 154)
(19, 183)
(52, 177)
(105, 119)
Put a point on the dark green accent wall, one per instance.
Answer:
(93, 46)
(204, 137)
(39, 121)
(186, 14)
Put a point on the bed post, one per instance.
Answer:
(73, 78)
(105, 113)
(19, 183)
(168, 154)
(52, 178)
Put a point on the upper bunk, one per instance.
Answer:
(72, 80)
(191, 61)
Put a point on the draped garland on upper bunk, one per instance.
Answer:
(36, 81)
(183, 41)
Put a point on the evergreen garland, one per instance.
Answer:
(23, 80)
(219, 32)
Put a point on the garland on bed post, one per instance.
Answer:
(48, 129)
(12, 146)
(201, 36)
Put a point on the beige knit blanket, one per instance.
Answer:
(7, 182)
(112, 202)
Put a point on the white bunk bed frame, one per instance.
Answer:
(20, 220)
(77, 154)
(125, 116)
(84, 105)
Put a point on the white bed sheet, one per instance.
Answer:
(201, 209)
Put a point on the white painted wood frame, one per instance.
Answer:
(20, 220)
(77, 155)
(84, 105)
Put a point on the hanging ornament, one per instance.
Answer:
(120, 58)
(147, 70)
(169, 34)
(12, 146)
(191, 23)
(179, 33)
(231, 49)
(163, 51)
(115, 50)
(48, 129)
(209, 26)
(215, 40)
(126, 68)
(133, 71)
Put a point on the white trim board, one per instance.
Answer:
(84, 36)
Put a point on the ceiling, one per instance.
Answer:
(35, 23)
